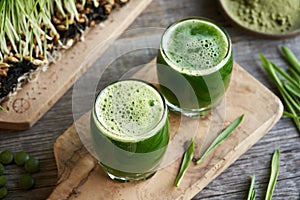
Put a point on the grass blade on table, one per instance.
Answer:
(274, 174)
(291, 58)
(253, 195)
(289, 97)
(294, 74)
(286, 76)
(252, 191)
(187, 158)
(291, 115)
(293, 90)
(225, 133)
(291, 103)
(269, 69)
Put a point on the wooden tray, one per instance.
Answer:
(80, 177)
(37, 97)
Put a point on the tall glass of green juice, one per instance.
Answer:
(130, 129)
(194, 65)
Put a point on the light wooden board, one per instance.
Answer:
(39, 96)
(80, 177)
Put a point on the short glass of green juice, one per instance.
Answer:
(130, 129)
(194, 65)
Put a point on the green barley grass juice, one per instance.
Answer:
(194, 65)
(130, 129)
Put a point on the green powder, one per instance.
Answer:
(268, 16)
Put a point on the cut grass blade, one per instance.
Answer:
(292, 103)
(252, 191)
(225, 133)
(187, 158)
(292, 89)
(291, 115)
(294, 74)
(275, 165)
(274, 174)
(189, 153)
(286, 76)
(253, 196)
(291, 58)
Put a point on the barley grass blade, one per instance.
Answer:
(292, 104)
(290, 115)
(291, 58)
(274, 174)
(252, 191)
(286, 76)
(293, 90)
(225, 133)
(187, 158)
(294, 75)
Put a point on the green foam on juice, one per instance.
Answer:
(195, 47)
(129, 110)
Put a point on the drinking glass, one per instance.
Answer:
(130, 129)
(194, 65)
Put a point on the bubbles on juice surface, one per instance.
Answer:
(195, 45)
(204, 51)
(129, 109)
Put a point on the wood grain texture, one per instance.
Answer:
(234, 182)
(80, 177)
(38, 96)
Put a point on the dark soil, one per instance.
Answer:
(97, 15)
(9, 82)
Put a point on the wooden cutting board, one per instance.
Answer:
(80, 177)
(38, 96)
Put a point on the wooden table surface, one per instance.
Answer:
(234, 182)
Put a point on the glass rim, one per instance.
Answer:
(145, 135)
(204, 71)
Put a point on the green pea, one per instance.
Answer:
(3, 192)
(3, 181)
(26, 182)
(32, 165)
(21, 157)
(1, 169)
(6, 157)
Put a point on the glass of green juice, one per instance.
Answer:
(130, 129)
(194, 65)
